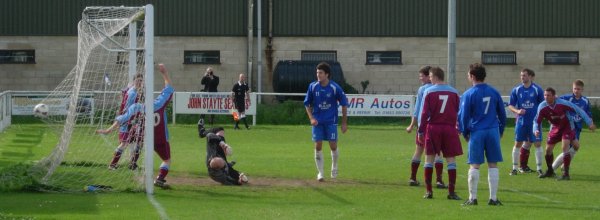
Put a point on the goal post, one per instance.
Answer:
(149, 105)
(114, 45)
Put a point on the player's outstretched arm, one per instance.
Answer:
(109, 129)
(165, 74)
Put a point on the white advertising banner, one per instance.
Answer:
(23, 105)
(209, 103)
(509, 114)
(390, 105)
(379, 105)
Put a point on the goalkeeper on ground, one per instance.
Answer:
(216, 157)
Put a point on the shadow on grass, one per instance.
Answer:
(331, 196)
(20, 147)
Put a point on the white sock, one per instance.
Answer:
(493, 179)
(572, 151)
(319, 161)
(334, 159)
(539, 157)
(473, 181)
(558, 161)
(515, 157)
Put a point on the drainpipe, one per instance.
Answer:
(249, 45)
(269, 49)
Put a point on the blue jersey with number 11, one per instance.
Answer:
(324, 101)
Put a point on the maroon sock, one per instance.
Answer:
(566, 163)
(162, 173)
(439, 168)
(451, 180)
(414, 167)
(136, 155)
(524, 157)
(116, 158)
(428, 177)
(549, 159)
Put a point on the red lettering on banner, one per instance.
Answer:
(194, 103)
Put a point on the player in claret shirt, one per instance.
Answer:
(161, 133)
(438, 124)
(560, 114)
(419, 148)
(582, 102)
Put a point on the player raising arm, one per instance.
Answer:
(161, 133)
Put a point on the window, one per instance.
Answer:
(319, 55)
(384, 57)
(17, 56)
(202, 57)
(561, 57)
(507, 58)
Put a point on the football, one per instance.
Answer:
(41, 110)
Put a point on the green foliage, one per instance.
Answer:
(348, 89)
(288, 112)
(364, 85)
(596, 114)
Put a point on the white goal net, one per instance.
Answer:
(111, 53)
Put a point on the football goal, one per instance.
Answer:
(114, 45)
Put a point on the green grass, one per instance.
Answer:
(372, 184)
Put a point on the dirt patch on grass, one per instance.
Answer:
(254, 181)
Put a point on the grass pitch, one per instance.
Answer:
(372, 183)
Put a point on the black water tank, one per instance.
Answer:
(294, 76)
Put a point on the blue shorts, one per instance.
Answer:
(577, 133)
(525, 133)
(486, 143)
(324, 132)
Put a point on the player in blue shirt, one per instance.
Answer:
(416, 119)
(524, 101)
(481, 120)
(582, 102)
(321, 102)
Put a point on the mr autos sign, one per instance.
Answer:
(380, 105)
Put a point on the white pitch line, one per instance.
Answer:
(161, 211)
(535, 196)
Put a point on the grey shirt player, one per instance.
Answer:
(219, 169)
